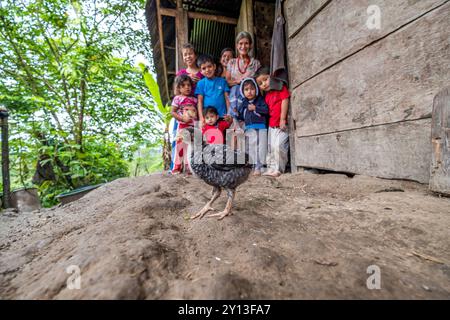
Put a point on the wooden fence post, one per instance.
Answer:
(182, 33)
(440, 140)
(5, 158)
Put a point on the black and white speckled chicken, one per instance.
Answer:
(219, 166)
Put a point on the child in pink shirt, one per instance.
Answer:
(184, 110)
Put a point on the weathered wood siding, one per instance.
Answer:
(393, 80)
(298, 13)
(340, 29)
(440, 141)
(394, 150)
(352, 82)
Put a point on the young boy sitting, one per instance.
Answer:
(254, 112)
(278, 102)
(211, 90)
(214, 129)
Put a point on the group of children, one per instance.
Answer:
(238, 95)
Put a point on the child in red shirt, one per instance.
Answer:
(214, 128)
(278, 139)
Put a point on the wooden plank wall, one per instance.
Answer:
(440, 137)
(362, 98)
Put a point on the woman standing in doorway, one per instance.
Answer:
(240, 68)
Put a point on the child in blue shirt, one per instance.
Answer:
(211, 90)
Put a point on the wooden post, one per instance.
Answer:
(5, 158)
(440, 140)
(182, 32)
(161, 43)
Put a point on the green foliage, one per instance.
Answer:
(76, 100)
(163, 111)
(99, 161)
(146, 160)
(150, 82)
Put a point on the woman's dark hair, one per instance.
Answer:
(263, 71)
(179, 80)
(210, 110)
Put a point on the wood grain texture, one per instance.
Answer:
(393, 80)
(340, 30)
(166, 94)
(299, 12)
(440, 140)
(394, 151)
(182, 36)
(292, 138)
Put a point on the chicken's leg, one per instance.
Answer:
(215, 194)
(227, 210)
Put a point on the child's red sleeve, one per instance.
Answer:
(284, 93)
(224, 125)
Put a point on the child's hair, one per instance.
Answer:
(263, 71)
(244, 35)
(204, 58)
(179, 80)
(247, 82)
(189, 46)
(210, 110)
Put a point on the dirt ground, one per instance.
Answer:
(301, 236)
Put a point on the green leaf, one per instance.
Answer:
(153, 87)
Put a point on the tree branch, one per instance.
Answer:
(20, 57)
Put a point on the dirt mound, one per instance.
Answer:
(300, 236)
